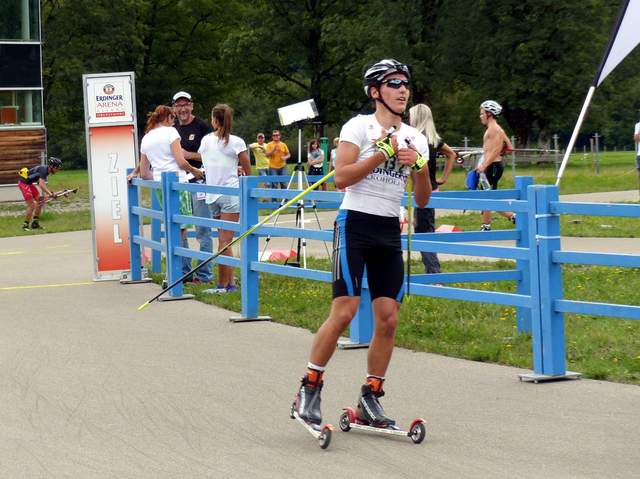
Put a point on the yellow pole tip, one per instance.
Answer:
(143, 306)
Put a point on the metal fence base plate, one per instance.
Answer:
(547, 377)
(166, 297)
(243, 319)
(348, 344)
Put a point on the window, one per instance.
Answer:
(20, 108)
(12, 14)
(20, 65)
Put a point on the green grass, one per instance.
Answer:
(599, 347)
(617, 172)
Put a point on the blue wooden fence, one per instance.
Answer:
(537, 254)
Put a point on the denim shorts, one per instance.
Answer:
(225, 204)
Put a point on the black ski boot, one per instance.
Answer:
(308, 399)
(35, 225)
(369, 410)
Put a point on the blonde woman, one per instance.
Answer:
(422, 120)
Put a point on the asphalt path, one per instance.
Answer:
(92, 388)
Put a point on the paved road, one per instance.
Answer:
(92, 388)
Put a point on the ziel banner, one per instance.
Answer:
(112, 147)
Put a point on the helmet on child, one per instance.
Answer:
(382, 69)
(492, 107)
(55, 162)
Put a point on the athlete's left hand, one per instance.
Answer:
(407, 156)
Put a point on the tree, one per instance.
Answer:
(170, 46)
(529, 55)
(296, 50)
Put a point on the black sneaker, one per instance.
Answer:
(512, 218)
(369, 410)
(36, 226)
(485, 227)
(308, 402)
(25, 227)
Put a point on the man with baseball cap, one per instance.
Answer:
(192, 129)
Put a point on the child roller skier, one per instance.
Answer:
(367, 233)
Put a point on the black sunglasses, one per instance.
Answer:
(396, 83)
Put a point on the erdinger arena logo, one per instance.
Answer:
(109, 104)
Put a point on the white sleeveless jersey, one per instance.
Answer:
(380, 192)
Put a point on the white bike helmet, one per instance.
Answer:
(380, 70)
(492, 107)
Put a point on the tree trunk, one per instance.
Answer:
(544, 140)
(520, 122)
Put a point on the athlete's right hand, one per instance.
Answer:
(388, 145)
(53, 196)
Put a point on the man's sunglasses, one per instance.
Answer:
(396, 83)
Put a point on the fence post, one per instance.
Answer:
(171, 202)
(156, 233)
(135, 256)
(513, 158)
(523, 286)
(361, 328)
(249, 252)
(534, 275)
(551, 323)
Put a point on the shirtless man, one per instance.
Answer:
(491, 164)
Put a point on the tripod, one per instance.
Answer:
(302, 178)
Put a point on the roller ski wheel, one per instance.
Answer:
(323, 435)
(416, 432)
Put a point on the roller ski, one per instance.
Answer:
(370, 416)
(306, 409)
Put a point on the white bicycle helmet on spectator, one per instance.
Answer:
(492, 107)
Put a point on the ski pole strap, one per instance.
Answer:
(385, 147)
(420, 162)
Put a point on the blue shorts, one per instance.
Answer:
(225, 204)
(359, 240)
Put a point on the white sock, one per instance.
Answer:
(314, 367)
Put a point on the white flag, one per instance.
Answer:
(624, 38)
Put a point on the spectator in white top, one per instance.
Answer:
(221, 153)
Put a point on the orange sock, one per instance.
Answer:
(375, 383)
(314, 376)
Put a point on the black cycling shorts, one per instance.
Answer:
(494, 173)
(362, 240)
